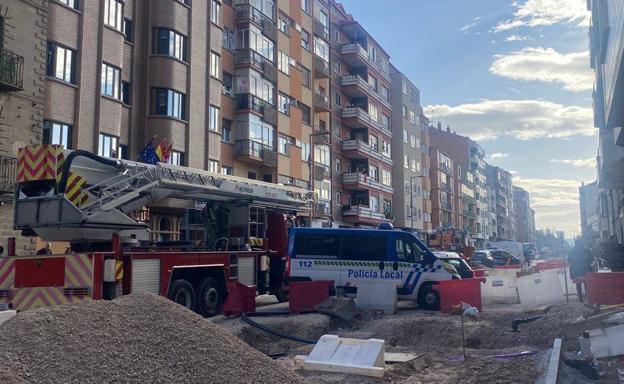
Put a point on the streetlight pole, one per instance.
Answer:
(412, 200)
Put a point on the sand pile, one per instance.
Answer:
(137, 338)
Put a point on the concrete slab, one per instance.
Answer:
(603, 342)
(335, 354)
(380, 295)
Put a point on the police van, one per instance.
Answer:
(350, 256)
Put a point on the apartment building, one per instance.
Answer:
(23, 26)
(443, 190)
(289, 91)
(606, 41)
(523, 217)
(471, 183)
(592, 220)
(500, 184)
(412, 202)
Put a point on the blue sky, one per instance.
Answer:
(513, 74)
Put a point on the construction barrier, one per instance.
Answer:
(478, 272)
(550, 264)
(241, 299)
(304, 295)
(604, 288)
(453, 292)
(540, 289)
(501, 287)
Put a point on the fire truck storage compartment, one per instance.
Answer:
(40, 272)
(247, 269)
(146, 276)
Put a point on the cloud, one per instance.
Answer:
(556, 202)
(534, 13)
(498, 155)
(516, 38)
(546, 65)
(590, 163)
(474, 22)
(521, 119)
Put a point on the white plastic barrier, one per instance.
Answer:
(603, 342)
(6, 315)
(335, 354)
(500, 286)
(377, 294)
(539, 289)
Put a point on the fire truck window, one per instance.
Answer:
(308, 245)
(364, 247)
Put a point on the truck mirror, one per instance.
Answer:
(381, 265)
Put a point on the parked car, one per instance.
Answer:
(455, 260)
(482, 259)
(492, 258)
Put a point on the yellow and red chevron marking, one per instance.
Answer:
(39, 162)
(73, 191)
(118, 270)
(78, 271)
(7, 273)
(31, 298)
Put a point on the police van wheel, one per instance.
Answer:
(428, 298)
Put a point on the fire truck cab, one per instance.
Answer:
(89, 201)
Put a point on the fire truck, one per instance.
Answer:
(90, 201)
(451, 240)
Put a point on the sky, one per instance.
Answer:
(513, 75)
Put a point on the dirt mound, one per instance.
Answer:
(137, 338)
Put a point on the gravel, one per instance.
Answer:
(134, 339)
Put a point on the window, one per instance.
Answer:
(373, 142)
(322, 155)
(305, 5)
(408, 252)
(385, 120)
(324, 19)
(283, 145)
(413, 165)
(337, 66)
(176, 158)
(405, 161)
(57, 133)
(108, 146)
(338, 166)
(386, 177)
(227, 170)
(113, 13)
(338, 198)
(166, 102)
(61, 62)
(228, 39)
(283, 103)
(227, 83)
(306, 77)
(373, 172)
(128, 30)
(213, 166)
(386, 148)
(338, 99)
(126, 97)
(283, 25)
(111, 81)
(405, 111)
(170, 43)
(404, 87)
(215, 65)
(71, 3)
(364, 247)
(305, 114)
(374, 203)
(321, 48)
(372, 54)
(316, 246)
(372, 82)
(323, 189)
(413, 141)
(385, 93)
(213, 118)
(412, 117)
(123, 152)
(373, 112)
(215, 12)
(305, 152)
(305, 39)
(283, 62)
(226, 130)
(405, 136)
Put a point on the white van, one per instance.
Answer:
(349, 256)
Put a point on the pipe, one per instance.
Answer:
(517, 322)
(246, 319)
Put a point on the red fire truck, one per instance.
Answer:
(451, 240)
(88, 200)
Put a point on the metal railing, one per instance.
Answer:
(11, 70)
(8, 174)
(256, 149)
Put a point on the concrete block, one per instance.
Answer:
(539, 289)
(340, 307)
(500, 289)
(335, 354)
(379, 295)
(603, 342)
(7, 315)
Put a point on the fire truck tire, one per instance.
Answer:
(281, 295)
(183, 293)
(210, 297)
(428, 298)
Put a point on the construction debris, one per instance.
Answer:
(134, 339)
(338, 307)
(603, 342)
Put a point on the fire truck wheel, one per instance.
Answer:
(183, 293)
(428, 298)
(281, 295)
(210, 299)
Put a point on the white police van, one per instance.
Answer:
(351, 255)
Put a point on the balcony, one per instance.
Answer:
(446, 187)
(356, 56)
(320, 30)
(357, 149)
(356, 180)
(356, 86)
(356, 117)
(321, 103)
(256, 153)
(11, 71)
(246, 13)
(249, 102)
(445, 168)
(321, 68)
(446, 205)
(321, 172)
(247, 57)
(8, 174)
(361, 213)
(322, 208)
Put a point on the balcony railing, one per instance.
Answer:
(446, 187)
(245, 11)
(446, 205)
(445, 168)
(247, 101)
(362, 56)
(365, 149)
(321, 172)
(321, 103)
(248, 56)
(355, 80)
(320, 30)
(256, 151)
(8, 174)
(11, 71)
(321, 68)
(362, 212)
(364, 118)
(364, 180)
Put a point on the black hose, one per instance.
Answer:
(517, 322)
(246, 319)
(70, 158)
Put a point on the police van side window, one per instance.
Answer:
(316, 246)
(364, 247)
(408, 252)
